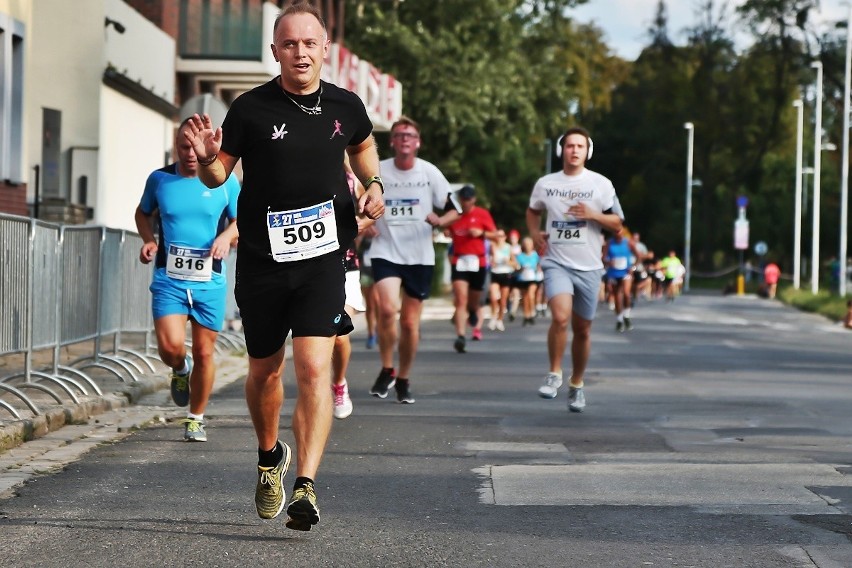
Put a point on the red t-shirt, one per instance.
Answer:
(771, 273)
(463, 243)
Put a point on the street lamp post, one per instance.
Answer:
(797, 222)
(687, 239)
(817, 155)
(844, 176)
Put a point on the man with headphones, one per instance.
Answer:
(403, 257)
(580, 204)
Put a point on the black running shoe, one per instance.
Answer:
(628, 325)
(472, 318)
(460, 344)
(384, 382)
(403, 394)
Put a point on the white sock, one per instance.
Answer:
(620, 317)
(185, 369)
(199, 417)
(627, 313)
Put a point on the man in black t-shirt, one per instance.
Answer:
(296, 218)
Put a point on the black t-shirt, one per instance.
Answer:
(291, 159)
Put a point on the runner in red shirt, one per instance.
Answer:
(469, 264)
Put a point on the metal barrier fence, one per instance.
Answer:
(69, 285)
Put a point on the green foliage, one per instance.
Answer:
(492, 81)
(823, 303)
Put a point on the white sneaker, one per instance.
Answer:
(492, 325)
(342, 402)
(576, 399)
(500, 326)
(551, 385)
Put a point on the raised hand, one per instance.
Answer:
(205, 141)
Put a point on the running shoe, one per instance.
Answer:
(384, 382)
(371, 341)
(303, 510)
(477, 335)
(269, 494)
(619, 326)
(459, 344)
(180, 385)
(500, 326)
(576, 399)
(403, 394)
(193, 430)
(628, 325)
(342, 402)
(492, 324)
(472, 318)
(551, 385)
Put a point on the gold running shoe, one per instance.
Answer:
(303, 510)
(269, 494)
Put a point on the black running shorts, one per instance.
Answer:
(305, 297)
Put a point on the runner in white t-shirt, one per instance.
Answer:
(579, 204)
(402, 254)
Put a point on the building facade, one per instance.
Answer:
(91, 92)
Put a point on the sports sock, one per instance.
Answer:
(270, 458)
(199, 417)
(302, 482)
(185, 369)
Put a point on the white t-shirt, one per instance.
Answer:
(410, 195)
(571, 242)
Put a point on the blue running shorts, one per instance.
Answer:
(206, 307)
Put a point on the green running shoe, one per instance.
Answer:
(180, 385)
(193, 430)
(303, 510)
(269, 494)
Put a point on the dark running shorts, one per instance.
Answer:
(305, 297)
(475, 280)
(503, 280)
(416, 278)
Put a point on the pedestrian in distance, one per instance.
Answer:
(296, 220)
(364, 242)
(771, 275)
(402, 253)
(503, 266)
(673, 271)
(196, 228)
(469, 265)
(529, 266)
(618, 257)
(579, 204)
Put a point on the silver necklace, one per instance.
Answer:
(315, 110)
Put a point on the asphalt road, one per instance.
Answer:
(717, 433)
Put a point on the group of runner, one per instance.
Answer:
(313, 187)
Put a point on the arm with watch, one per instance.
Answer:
(364, 160)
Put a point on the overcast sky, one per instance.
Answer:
(625, 22)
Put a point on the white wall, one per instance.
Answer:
(134, 142)
(144, 52)
(64, 73)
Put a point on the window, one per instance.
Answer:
(11, 98)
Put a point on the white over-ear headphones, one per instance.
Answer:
(562, 138)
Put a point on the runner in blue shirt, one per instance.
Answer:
(197, 226)
(619, 255)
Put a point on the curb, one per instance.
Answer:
(19, 432)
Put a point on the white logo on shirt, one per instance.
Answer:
(278, 133)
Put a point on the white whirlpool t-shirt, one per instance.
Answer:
(410, 195)
(571, 242)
